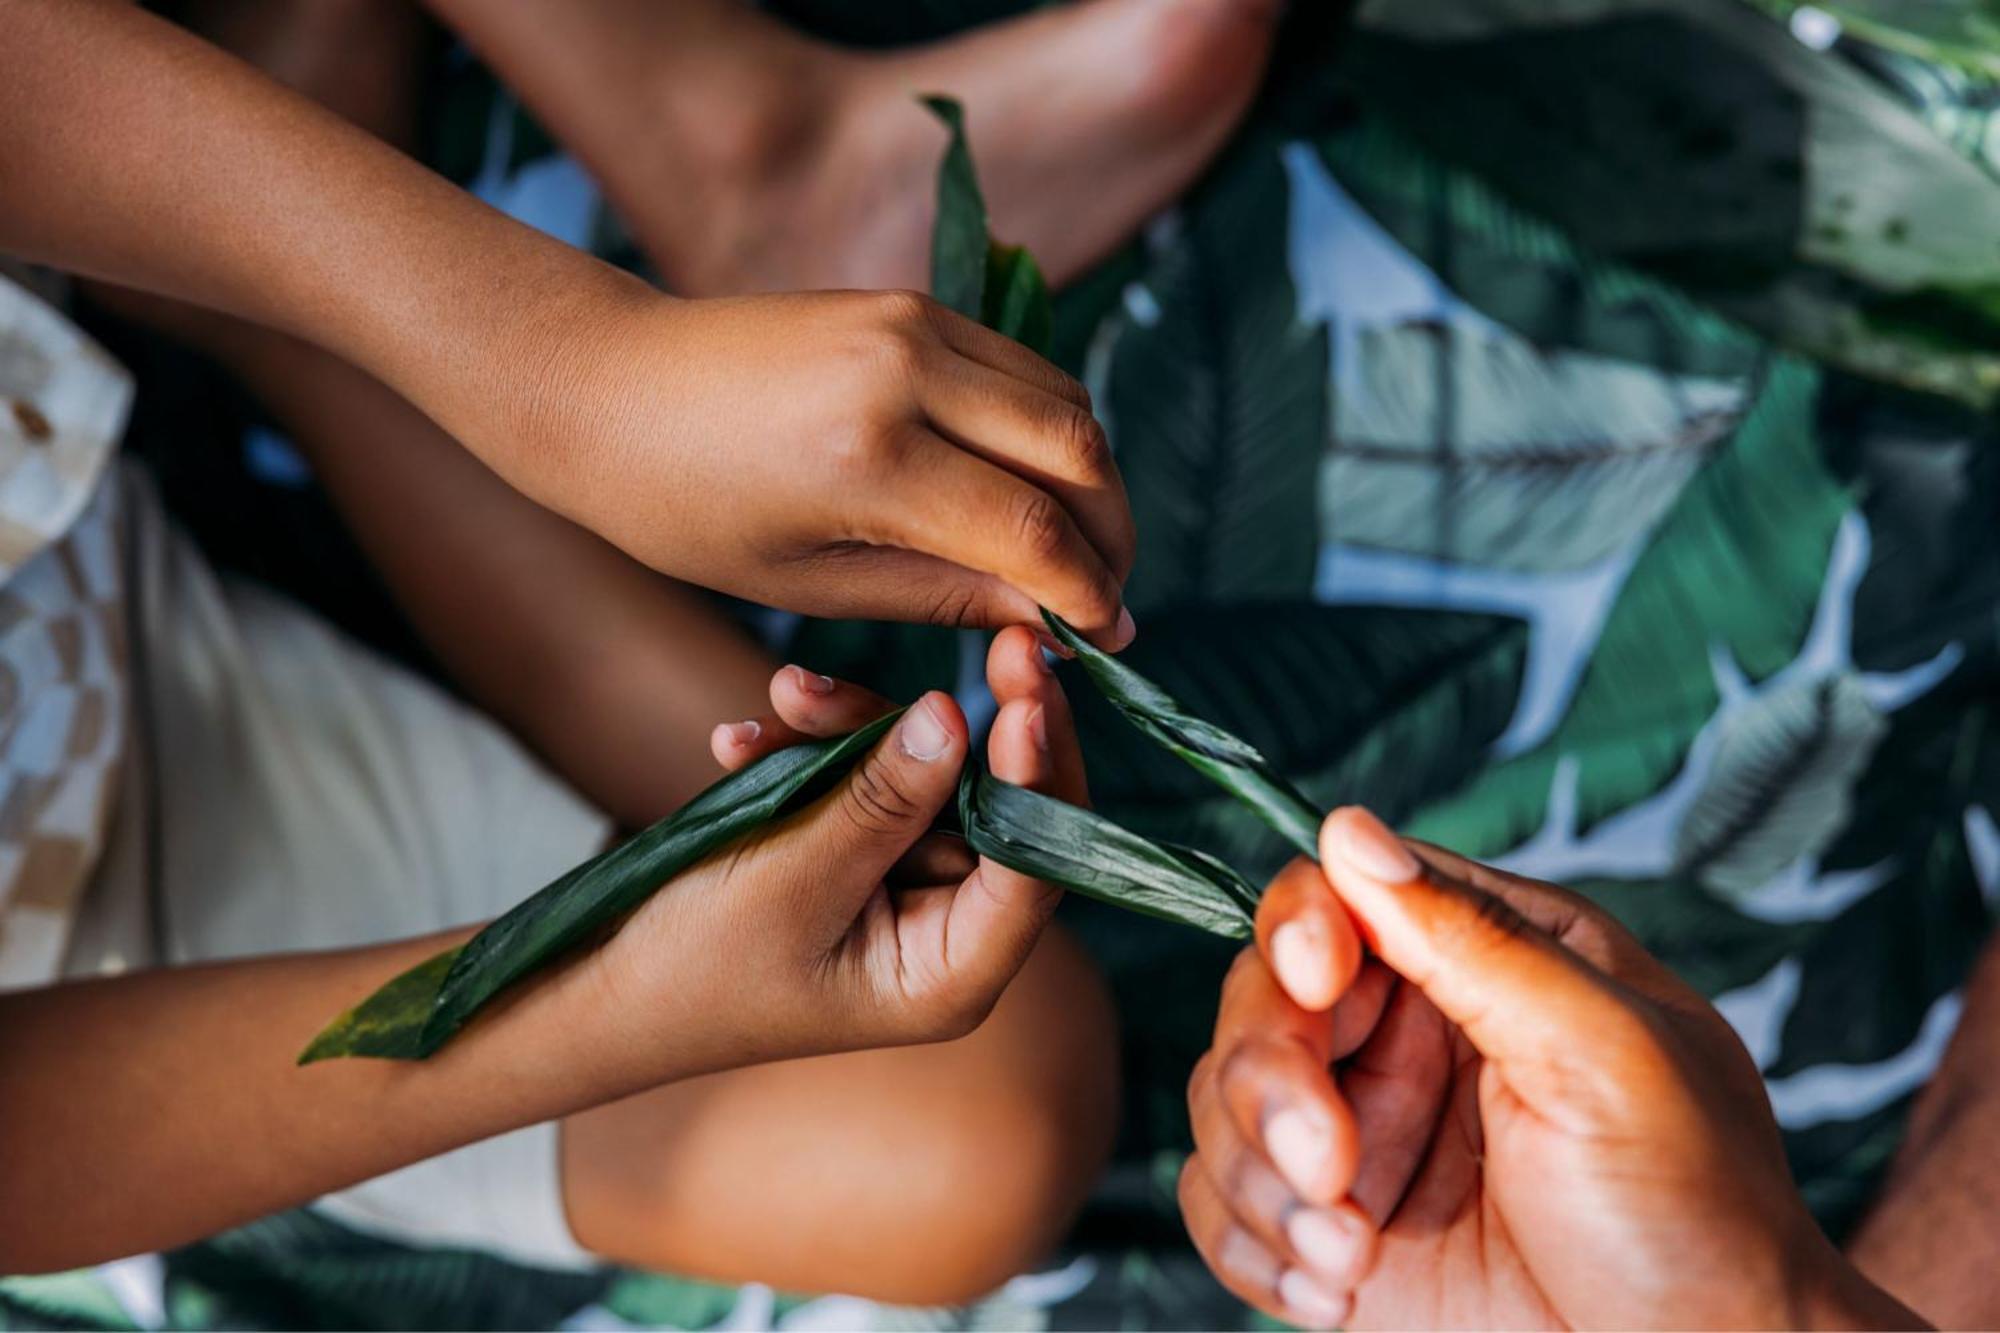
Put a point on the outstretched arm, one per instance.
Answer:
(839, 453)
(145, 1111)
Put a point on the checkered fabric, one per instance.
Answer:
(62, 650)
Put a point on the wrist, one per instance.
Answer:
(545, 382)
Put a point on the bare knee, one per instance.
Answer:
(923, 1175)
(997, 1185)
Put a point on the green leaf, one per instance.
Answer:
(1221, 400)
(1464, 443)
(1085, 852)
(1701, 141)
(1016, 300)
(958, 241)
(1739, 563)
(1781, 783)
(1232, 764)
(1520, 269)
(1963, 33)
(1001, 286)
(1387, 707)
(420, 1010)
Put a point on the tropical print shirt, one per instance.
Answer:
(1565, 427)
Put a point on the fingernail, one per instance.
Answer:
(1305, 1298)
(1038, 728)
(1242, 1257)
(811, 681)
(921, 734)
(1326, 1241)
(1375, 851)
(1040, 657)
(1299, 1145)
(1128, 629)
(742, 733)
(1050, 643)
(1304, 963)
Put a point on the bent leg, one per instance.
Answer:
(919, 1175)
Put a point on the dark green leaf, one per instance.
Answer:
(1963, 33)
(959, 241)
(1016, 300)
(1231, 763)
(419, 1011)
(1222, 399)
(1001, 286)
(1384, 707)
(1083, 851)
(1700, 141)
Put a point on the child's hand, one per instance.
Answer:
(1512, 1116)
(838, 453)
(849, 924)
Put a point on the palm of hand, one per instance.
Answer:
(1501, 1212)
(1449, 1257)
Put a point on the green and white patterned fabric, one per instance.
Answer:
(1564, 426)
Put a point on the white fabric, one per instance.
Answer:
(292, 790)
(62, 668)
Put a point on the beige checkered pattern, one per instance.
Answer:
(62, 649)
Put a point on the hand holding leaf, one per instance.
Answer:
(800, 870)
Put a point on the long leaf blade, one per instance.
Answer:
(420, 1010)
(1235, 765)
(1083, 851)
(959, 243)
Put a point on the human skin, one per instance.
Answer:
(746, 156)
(1930, 1236)
(839, 453)
(194, 1066)
(1509, 1116)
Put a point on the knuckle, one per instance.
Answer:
(1041, 527)
(1479, 923)
(905, 311)
(959, 604)
(1241, 1067)
(1080, 436)
(878, 799)
(1070, 387)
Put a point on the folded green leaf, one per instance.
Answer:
(1001, 286)
(959, 242)
(1233, 764)
(1017, 297)
(419, 1011)
(1083, 851)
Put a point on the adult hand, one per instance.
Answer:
(850, 924)
(839, 453)
(1509, 1116)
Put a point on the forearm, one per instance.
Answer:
(132, 152)
(1933, 1234)
(145, 1111)
(614, 673)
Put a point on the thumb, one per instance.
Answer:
(1523, 1000)
(885, 804)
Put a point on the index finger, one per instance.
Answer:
(950, 503)
(974, 341)
(1308, 936)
